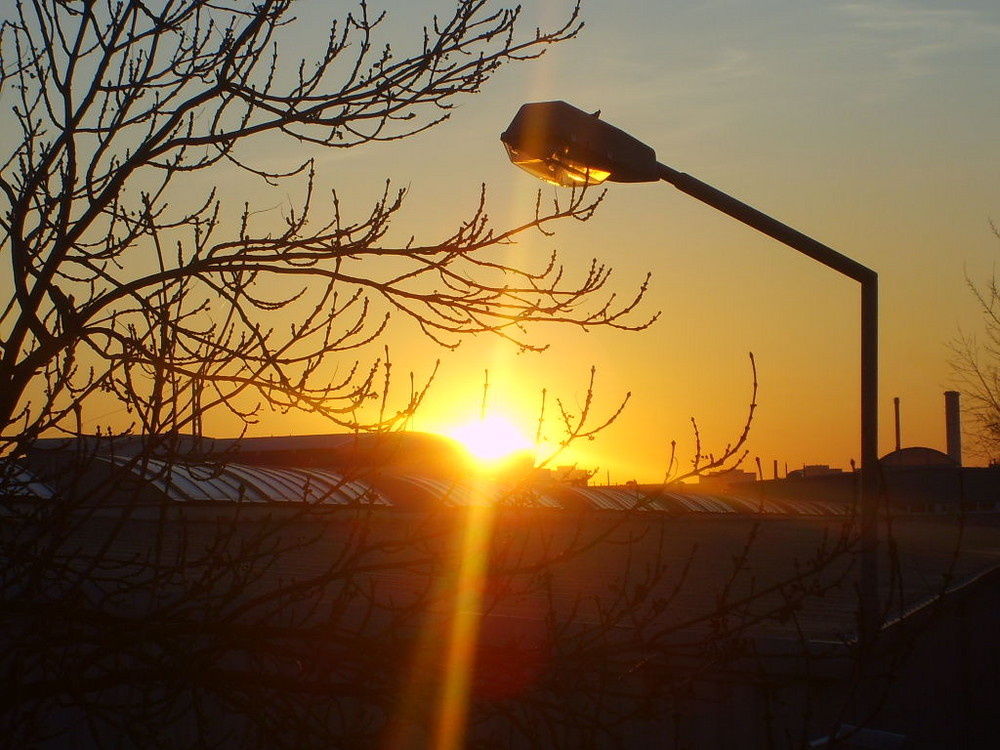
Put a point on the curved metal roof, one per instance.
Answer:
(468, 493)
(255, 484)
(17, 481)
(612, 498)
(258, 484)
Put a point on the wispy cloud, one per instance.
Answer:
(914, 39)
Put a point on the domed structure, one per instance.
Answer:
(906, 458)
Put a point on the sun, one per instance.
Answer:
(491, 440)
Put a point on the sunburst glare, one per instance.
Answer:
(491, 440)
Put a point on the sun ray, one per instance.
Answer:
(463, 636)
(432, 711)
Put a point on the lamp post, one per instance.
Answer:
(567, 146)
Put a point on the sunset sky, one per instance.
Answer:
(871, 126)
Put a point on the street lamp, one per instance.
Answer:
(566, 146)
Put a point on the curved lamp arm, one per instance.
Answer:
(566, 146)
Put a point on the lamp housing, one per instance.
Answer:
(564, 145)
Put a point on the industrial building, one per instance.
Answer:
(730, 616)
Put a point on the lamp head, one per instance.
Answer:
(566, 146)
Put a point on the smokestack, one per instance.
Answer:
(953, 426)
(895, 402)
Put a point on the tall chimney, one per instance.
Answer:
(953, 425)
(895, 402)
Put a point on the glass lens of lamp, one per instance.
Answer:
(556, 169)
(581, 174)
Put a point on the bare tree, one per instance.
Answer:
(128, 274)
(130, 280)
(157, 625)
(976, 361)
